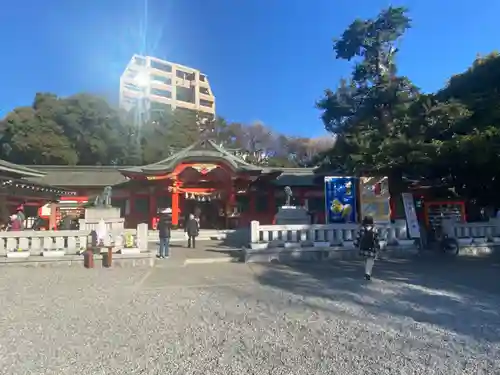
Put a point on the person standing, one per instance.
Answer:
(164, 232)
(192, 230)
(368, 243)
(20, 215)
(15, 223)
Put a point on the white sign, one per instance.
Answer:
(411, 215)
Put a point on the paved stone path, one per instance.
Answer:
(426, 317)
(206, 251)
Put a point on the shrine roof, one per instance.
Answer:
(100, 176)
(202, 151)
(79, 175)
(295, 177)
(12, 169)
(25, 179)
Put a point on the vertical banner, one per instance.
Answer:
(374, 198)
(340, 199)
(411, 215)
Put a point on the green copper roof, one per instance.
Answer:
(18, 170)
(203, 151)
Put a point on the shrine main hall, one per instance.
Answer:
(204, 179)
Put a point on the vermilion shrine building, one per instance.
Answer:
(18, 188)
(224, 190)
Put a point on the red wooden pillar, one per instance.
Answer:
(271, 203)
(302, 196)
(252, 204)
(152, 207)
(232, 197)
(131, 203)
(53, 216)
(175, 203)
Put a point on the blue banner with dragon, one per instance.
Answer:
(341, 199)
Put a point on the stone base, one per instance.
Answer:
(486, 250)
(98, 213)
(110, 215)
(18, 254)
(54, 254)
(147, 259)
(130, 251)
(318, 254)
(292, 215)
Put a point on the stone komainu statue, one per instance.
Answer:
(289, 195)
(104, 199)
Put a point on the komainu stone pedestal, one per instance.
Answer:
(110, 215)
(292, 215)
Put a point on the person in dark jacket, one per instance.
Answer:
(192, 229)
(368, 243)
(164, 231)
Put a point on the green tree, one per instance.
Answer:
(366, 111)
(81, 129)
(167, 132)
(473, 148)
(84, 129)
(29, 137)
(384, 125)
(96, 130)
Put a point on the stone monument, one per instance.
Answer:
(291, 214)
(102, 210)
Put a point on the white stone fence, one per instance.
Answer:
(473, 233)
(310, 241)
(23, 244)
(332, 234)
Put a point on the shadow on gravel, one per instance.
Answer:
(459, 295)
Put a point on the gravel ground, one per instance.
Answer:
(239, 319)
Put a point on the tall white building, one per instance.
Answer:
(152, 83)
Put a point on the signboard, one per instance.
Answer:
(340, 199)
(374, 198)
(411, 215)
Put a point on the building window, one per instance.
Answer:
(161, 79)
(140, 61)
(203, 78)
(129, 99)
(185, 95)
(185, 75)
(131, 74)
(206, 103)
(161, 66)
(159, 107)
(204, 90)
(131, 87)
(163, 93)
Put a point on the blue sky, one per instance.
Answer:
(267, 60)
